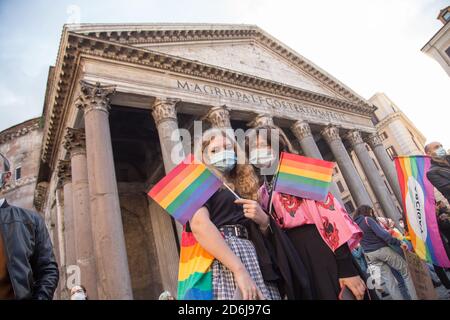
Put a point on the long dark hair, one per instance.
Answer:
(364, 210)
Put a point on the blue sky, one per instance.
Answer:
(369, 45)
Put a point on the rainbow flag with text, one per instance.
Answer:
(419, 206)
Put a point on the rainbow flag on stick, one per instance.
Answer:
(185, 189)
(419, 206)
(304, 177)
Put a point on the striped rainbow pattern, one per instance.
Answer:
(194, 272)
(185, 189)
(418, 204)
(304, 177)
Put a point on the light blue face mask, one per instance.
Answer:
(441, 152)
(224, 161)
(261, 158)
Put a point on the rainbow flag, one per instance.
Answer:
(185, 189)
(304, 177)
(194, 272)
(419, 207)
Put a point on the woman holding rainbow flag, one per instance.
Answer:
(321, 232)
(228, 232)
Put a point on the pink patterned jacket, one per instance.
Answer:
(332, 221)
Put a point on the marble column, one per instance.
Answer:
(165, 116)
(302, 132)
(75, 144)
(65, 182)
(351, 176)
(219, 117)
(373, 175)
(113, 274)
(61, 289)
(386, 163)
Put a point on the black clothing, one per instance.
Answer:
(295, 282)
(323, 267)
(439, 176)
(277, 258)
(223, 210)
(32, 267)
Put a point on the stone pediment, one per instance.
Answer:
(243, 48)
(256, 61)
(248, 57)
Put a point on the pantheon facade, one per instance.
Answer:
(115, 101)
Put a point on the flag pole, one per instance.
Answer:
(231, 190)
(275, 183)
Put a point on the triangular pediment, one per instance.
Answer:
(242, 48)
(248, 57)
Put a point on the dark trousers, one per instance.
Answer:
(440, 272)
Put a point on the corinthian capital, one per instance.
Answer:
(374, 140)
(330, 133)
(219, 117)
(164, 109)
(354, 137)
(94, 96)
(75, 141)
(64, 172)
(261, 120)
(301, 129)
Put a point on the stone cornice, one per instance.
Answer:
(73, 45)
(19, 130)
(383, 123)
(174, 33)
(400, 115)
(20, 183)
(40, 195)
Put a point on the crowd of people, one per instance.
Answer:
(265, 244)
(271, 245)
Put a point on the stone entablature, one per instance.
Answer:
(111, 45)
(19, 130)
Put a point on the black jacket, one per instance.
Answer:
(31, 263)
(439, 176)
(279, 263)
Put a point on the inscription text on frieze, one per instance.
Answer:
(275, 104)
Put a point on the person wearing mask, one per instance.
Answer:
(78, 293)
(439, 172)
(320, 232)
(228, 228)
(376, 243)
(28, 269)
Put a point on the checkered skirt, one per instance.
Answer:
(224, 286)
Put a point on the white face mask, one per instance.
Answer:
(78, 296)
(261, 158)
(441, 153)
(224, 160)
